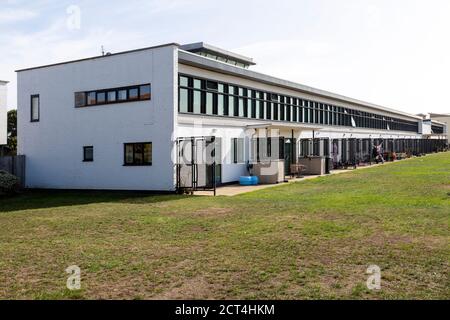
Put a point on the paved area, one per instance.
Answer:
(236, 189)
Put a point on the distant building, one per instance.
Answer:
(443, 118)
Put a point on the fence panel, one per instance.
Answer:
(14, 165)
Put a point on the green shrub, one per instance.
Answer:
(8, 183)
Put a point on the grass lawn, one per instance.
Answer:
(308, 240)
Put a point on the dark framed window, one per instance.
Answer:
(184, 81)
(113, 95)
(133, 93)
(197, 101)
(138, 154)
(212, 85)
(221, 105)
(34, 108)
(101, 97)
(183, 100)
(210, 97)
(122, 95)
(91, 98)
(209, 103)
(237, 150)
(145, 92)
(80, 99)
(88, 154)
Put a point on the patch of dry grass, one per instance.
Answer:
(310, 240)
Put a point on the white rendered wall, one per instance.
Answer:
(54, 146)
(3, 114)
(230, 171)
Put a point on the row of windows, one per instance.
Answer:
(99, 97)
(202, 96)
(437, 129)
(114, 95)
(135, 154)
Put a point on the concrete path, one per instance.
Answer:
(236, 189)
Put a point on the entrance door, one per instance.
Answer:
(199, 163)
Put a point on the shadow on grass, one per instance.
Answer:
(44, 199)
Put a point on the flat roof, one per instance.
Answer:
(100, 57)
(195, 60)
(199, 46)
(439, 114)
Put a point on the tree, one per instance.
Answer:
(12, 131)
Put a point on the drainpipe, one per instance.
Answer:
(293, 148)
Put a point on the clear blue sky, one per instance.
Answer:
(394, 53)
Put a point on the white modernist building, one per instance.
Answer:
(3, 113)
(172, 116)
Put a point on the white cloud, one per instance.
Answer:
(16, 15)
(391, 53)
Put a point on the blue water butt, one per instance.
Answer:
(248, 180)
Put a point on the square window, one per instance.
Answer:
(133, 94)
(122, 95)
(184, 81)
(197, 84)
(212, 85)
(145, 92)
(138, 154)
(101, 97)
(112, 96)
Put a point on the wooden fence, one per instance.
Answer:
(14, 165)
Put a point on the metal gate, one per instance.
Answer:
(318, 147)
(198, 164)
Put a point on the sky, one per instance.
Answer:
(392, 53)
